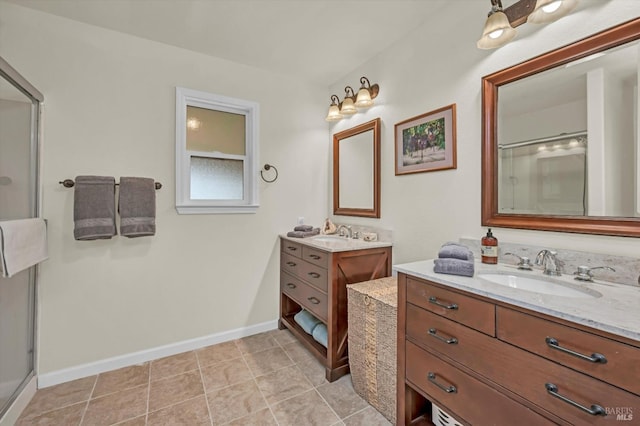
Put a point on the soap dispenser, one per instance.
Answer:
(489, 248)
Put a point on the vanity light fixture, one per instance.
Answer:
(499, 28)
(334, 109)
(550, 10)
(352, 102)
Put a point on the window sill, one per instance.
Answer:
(217, 209)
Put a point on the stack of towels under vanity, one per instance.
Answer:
(454, 259)
(302, 231)
(312, 326)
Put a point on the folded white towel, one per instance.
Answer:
(23, 243)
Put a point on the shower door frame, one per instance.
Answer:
(36, 97)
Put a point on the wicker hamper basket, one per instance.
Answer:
(372, 319)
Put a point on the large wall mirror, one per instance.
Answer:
(561, 147)
(356, 171)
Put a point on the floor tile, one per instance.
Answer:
(191, 412)
(265, 362)
(121, 379)
(59, 396)
(315, 372)
(305, 409)
(116, 407)
(259, 418)
(138, 421)
(223, 374)
(283, 336)
(172, 365)
(256, 343)
(283, 384)
(218, 353)
(68, 416)
(341, 397)
(234, 402)
(175, 389)
(367, 417)
(297, 352)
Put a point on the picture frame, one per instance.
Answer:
(427, 142)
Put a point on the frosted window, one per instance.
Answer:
(216, 179)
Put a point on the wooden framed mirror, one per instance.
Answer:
(599, 205)
(356, 171)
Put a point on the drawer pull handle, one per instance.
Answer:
(291, 285)
(595, 409)
(314, 274)
(452, 341)
(447, 389)
(451, 306)
(315, 256)
(292, 248)
(292, 264)
(314, 300)
(596, 357)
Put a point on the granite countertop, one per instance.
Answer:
(616, 311)
(336, 244)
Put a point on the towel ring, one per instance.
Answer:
(269, 167)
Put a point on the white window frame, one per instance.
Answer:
(184, 203)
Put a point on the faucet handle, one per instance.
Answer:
(524, 262)
(584, 272)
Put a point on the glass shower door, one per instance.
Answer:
(18, 199)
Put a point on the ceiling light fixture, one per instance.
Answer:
(352, 102)
(499, 28)
(550, 10)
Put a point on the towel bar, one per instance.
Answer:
(68, 183)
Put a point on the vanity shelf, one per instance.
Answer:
(489, 362)
(316, 279)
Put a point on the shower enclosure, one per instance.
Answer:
(19, 182)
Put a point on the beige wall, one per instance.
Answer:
(422, 73)
(110, 110)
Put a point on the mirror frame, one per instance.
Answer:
(337, 137)
(605, 225)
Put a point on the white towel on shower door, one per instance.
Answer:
(23, 243)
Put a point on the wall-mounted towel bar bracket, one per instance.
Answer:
(68, 183)
(268, 167)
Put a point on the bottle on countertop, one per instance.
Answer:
(489, 248)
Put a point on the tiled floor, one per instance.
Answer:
(266, 379)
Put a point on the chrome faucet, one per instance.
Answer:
(346, 229)
(524, 263)
(583, 273)
(547, 259)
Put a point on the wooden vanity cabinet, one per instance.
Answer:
(316, 280)
(486, 362)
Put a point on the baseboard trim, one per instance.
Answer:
(19, 404)
(93, 368)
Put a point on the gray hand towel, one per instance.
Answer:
(137, 206)
(94, 207)
(304, 228)
(455, 251)
(303, 234)
(464, 268)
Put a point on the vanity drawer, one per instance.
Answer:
(312, 274)
(622, 366)
(317, 257)
(305, 295)
(289, 247)
(471, 312)
(481, 404)
(456, 341)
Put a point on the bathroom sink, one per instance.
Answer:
(537, 285)
(331, 239)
